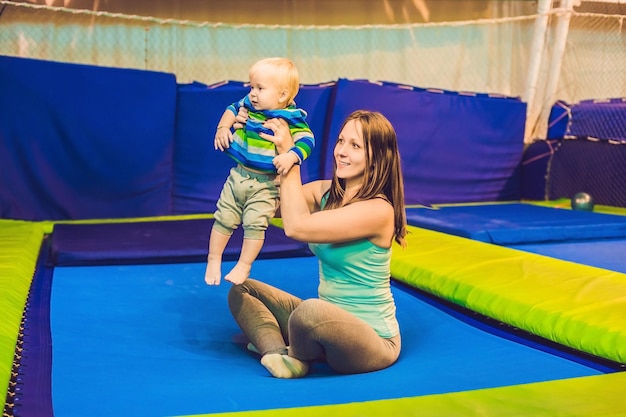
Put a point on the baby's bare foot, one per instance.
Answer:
(213, 273)
(239, 273)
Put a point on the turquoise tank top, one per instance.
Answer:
(355, 276)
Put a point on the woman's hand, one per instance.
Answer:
(241, 118)
(282, 136)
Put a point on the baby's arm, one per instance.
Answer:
(285, 161)
(223, 135)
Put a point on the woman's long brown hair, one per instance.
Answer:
(383, 177)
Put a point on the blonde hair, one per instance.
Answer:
(384, 177)
(285, 71)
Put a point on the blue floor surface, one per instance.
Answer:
(154, 340)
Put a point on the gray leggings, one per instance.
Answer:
(313, 329)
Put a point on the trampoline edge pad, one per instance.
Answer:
(569, 303)
(19, 249)
(574, 397)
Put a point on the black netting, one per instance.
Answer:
(597, 167)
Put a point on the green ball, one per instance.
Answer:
(583, 202)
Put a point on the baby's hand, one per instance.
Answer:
(223, 138)
(284, 162)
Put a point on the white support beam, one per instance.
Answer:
(536, 58)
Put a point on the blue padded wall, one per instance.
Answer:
(455, 148)
(601, 119)
(535, 164)
(585, 152)
(200, 170)
(81, 141)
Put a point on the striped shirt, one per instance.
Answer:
(252, 151)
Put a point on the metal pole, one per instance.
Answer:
(536, 56)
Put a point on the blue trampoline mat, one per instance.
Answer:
(154, 340)
(517, 223)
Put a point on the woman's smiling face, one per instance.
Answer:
(349, 153)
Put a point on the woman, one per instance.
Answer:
(350, 223)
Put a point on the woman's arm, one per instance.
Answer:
(313, 192)
(371, 219)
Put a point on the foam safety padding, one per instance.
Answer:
(602, 119)
(455, 148)
(603, 253)
(535, 162)
(199, 169)
(571, 304)
(599, 395)
(82, 141)
(154, 242)
(19, 249)
(518, 223)
(591, 166)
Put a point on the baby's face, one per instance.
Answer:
(265, 92)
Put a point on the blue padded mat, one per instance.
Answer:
(606, 254)
(154, 340)
(517, 223)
